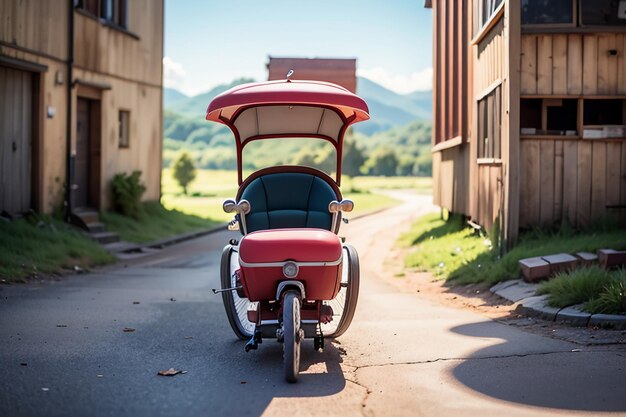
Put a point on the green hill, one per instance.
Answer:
(196, 105)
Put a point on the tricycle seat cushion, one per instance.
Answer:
(301, 245)
(288, 200)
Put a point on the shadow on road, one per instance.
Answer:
(561, 377)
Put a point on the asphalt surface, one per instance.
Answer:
(64, 351)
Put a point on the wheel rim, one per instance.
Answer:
(240, 304)
(291, 331)
(338, 304)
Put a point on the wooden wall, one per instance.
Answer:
(489, 63)
(105, 50)
(573, 64)
(450, 179)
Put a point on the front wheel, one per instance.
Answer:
(292, 335)
(236, 307)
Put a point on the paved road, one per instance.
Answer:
(63, 350)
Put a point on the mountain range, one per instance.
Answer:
(387, 108)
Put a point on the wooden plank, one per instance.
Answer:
(559, 64)
(529, 64)
(546, 198)
(598, 181)
(621, 66)
(583, 195)
(613, 171)
(4, 134)
(570, 167)
(623, 182)
(590, 64)
(530, 183)
(605, 65)
(558, 180)
(574, 64)
(612, 65)
(544, 64)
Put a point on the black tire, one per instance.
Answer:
(291, 335)
(344, 304)
(235, 306)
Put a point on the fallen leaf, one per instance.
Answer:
(171, 372)
(135, 302)
(189, 337)
(61, 325)
(172, 299)
(128, 330)
(23, 364)
(243, 382)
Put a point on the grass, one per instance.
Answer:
(156, 222)
(452, 251)
(45, 246)
(211, 187)
(599, 291)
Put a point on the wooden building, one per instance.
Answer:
(530, 112)
(80, 100)
(338, 71)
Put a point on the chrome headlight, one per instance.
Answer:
(290, 270)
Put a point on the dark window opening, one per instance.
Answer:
(603, 13)
(124, 128)
(574, 12)
(112, 11)
(549, 117)
(546, 12)
(490, 125)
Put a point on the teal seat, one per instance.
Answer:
(289, 200)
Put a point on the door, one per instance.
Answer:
(16, 140)
(80, 189)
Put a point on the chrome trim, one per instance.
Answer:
(309, 321)
(283, 284)
(269, 322)
(281, 264)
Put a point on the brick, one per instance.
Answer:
(534, 269)
(609, 258)
(586, 258)
(560, 262)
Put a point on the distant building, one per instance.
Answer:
(338, 71)
(530, 112)
(80, 94)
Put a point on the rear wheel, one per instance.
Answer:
(292, 335)
(236, 307)
(344, 304)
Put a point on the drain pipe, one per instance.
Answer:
(69, 159)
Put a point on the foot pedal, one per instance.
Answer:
(254, 342)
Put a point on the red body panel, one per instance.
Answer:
(300, 245)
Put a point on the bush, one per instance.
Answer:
(576, 287)
(127, 191)
(612, 299)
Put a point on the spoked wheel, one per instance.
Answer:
(344, 304)
(292, 335)
(236, 306)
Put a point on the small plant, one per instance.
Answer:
(612, 299)
(576, 287)
(184, 171)
(127, 191)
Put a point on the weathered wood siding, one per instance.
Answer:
(572, 181)
(573, 64)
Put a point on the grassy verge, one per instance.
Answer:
(47, 246)
(599, 291)
(452, 251)
(211, 187)
(155, 222)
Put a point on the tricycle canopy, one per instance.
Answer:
(286, 109)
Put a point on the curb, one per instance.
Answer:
(517, 291)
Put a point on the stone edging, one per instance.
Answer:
(527, 303)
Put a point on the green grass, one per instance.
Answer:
(599, 290)
(211, 187)
(453, 252)
(576, 287)
(156, 222)
(46, 246)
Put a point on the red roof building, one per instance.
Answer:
(338, 71)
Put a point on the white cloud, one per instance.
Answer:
(400, 83)
(174, 75)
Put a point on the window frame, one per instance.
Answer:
(123, 129)
(489, 132)
(576, 23)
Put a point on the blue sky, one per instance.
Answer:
(212, 42)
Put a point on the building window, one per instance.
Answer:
(489, 7)
(114, 12)
(574, 12)
(124, 128)
(490, 124)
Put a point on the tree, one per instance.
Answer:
(353, 158)
(383, 161)
(184, 170)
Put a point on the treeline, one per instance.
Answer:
(403, 150)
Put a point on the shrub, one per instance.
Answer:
(612, 299)
(576, 287)
(127, 191)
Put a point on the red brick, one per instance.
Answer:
(609, 258)
(560, 262)
(534, 269)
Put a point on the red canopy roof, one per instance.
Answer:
(292, 92)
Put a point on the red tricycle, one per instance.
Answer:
(290, 276)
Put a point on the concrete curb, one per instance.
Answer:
(518, 292)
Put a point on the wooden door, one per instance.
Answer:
(80, 190)
(16, 140)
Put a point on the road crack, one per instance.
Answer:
(428, 361)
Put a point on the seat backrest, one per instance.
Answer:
(288, 200)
